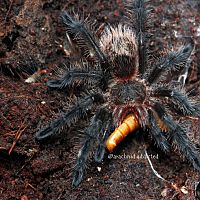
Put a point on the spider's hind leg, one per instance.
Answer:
(179, 137)
(106, 129)
(157, 133)
(96, 133)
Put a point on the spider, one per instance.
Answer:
(122, 82)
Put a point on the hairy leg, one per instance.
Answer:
(171, 62)
(76, 75)
(157, 133)
(83, 35)
(179, 137)
(140, 15)
(181, 103)
(75, 112)
(106, 129)
(94, 134)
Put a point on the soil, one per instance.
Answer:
(32, 37)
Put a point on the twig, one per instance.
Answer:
(28, 184)
(154, 171)
(11, 2)
(172, 185)
(17, 136)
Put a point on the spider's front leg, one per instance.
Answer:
(140, 18)
(76, 75)
(83, 36)
(171, 62)
(95, 135)
(75, 112)
(179, 136)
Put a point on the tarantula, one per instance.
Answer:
(125, 82)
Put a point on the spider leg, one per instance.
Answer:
(82, 35)
(75, 112)
(179, 136)
(92, 133)
(181, 103)
(106, 129)
(76, 75)
(171, 62)
(157, 133)
(140, 13)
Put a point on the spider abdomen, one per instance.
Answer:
(120, 45)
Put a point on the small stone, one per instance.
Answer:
(164, 192)
(184, 190)
(99, 169)
(89, 179)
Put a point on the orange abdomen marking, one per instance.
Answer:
(129, 125)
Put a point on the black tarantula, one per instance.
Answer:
(125, 82)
